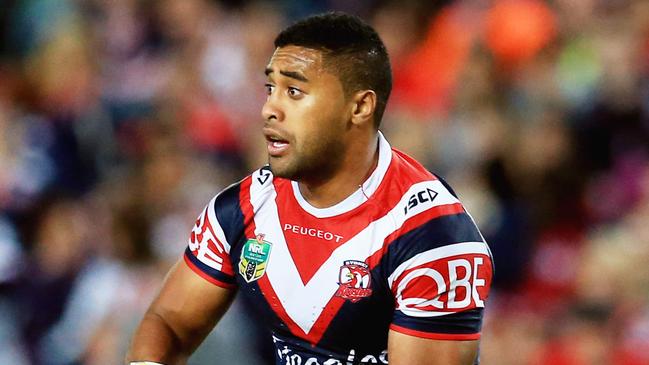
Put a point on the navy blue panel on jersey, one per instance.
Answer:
(227, 208)
(447, 186)
(438, 232)
(461, 323)
(373, 316)
(252, 296)
(216, 274)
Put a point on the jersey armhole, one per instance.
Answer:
(202, 274)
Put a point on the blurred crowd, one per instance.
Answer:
(120, 119)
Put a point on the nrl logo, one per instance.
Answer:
(254, 258)
(354, 280)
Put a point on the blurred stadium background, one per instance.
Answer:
(119, 119)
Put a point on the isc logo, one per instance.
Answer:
(418, 198)
(457, 285)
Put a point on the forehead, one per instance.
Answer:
(296, 58)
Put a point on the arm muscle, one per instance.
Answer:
(178, 320)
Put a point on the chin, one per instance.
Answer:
(282, 169)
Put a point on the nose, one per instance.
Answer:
(271, 110)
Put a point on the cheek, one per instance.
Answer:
(310, 121)
(319, 128)
(320, 141)
(317, 122)
(330, 115)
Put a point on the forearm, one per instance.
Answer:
(155, 340)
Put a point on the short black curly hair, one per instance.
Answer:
(351, 47)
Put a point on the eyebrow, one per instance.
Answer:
(292, 74)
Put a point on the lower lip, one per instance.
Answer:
(276, 149)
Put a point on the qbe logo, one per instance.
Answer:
(444, 286)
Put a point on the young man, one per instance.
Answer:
(349, 250)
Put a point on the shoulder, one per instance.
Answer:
(241, 199)
(429, 215)
(409, 168)
(416, 185)
(232, 196)
(259, 186)
(228, 207)
(226, 200)
(436, 249)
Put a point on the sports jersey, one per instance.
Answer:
(401, 253)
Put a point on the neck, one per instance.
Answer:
(361, 160)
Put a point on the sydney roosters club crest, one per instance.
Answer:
(354, 280)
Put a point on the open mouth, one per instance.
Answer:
(276, 145)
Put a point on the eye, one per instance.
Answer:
(294, 92)
(269, 88)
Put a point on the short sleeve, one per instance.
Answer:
(441, 279)
(208, 250)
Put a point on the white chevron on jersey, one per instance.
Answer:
(305, 303)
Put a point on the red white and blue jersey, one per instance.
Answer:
(401, 253)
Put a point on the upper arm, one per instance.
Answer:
(410, 350)
(190, 305)
(197, 290)
(440, 276)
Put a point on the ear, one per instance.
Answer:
(364, 104)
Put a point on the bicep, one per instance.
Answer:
(189, 304)
(410, 350)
